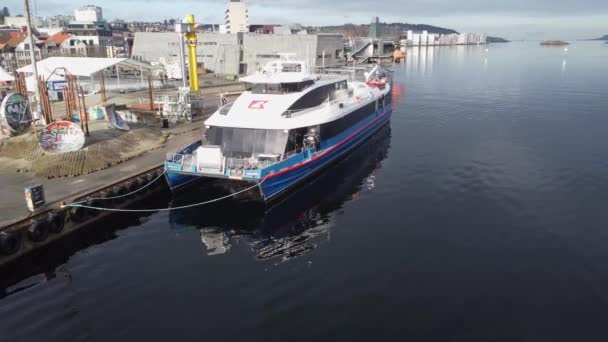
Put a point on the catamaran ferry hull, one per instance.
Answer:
(278, 183)
(274, 184)
(178, 180)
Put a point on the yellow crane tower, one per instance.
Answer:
(190, 36)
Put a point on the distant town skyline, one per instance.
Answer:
(514, 19)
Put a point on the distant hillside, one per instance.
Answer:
(401, 27)
(605, 37)
(496, 40)
(393, 30)
(390, 29)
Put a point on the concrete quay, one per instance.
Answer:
(12, 203)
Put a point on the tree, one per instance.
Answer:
(172, 22)
(5, 12)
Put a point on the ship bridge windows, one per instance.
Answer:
(291, 67)
(317, 96)
(278, 88)
(243, 142)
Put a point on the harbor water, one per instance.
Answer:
(479, 213)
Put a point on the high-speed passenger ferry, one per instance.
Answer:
(289, 124)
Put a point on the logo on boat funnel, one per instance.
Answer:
(257, 104)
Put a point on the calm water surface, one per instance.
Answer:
(480, 213)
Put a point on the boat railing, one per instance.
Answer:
(186, 160)
(247, 163)
(352, 73)
(234, 163)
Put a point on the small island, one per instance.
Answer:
(554, 43)
(496, 40)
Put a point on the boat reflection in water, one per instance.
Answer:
(299, 223)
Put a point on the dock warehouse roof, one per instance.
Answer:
(82, 66)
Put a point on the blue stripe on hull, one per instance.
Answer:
(275, 185)
(175, 180)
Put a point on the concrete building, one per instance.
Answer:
(424, 38)
(289, 29)
(375, 29)
(97, 36)
(59, 21)
(88, 13)
(20, 22)
(237, 17)
(242, 53)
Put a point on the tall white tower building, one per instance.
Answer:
(237, 17)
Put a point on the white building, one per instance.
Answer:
(97, 37)
(89, 13)
(416, 39)
(237, 17)
(59, 21)
(424, 38)
(410, 36)
(49, 31)
(15, 21)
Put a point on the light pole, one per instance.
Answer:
(33, 59)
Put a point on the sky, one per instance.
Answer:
(512, 19)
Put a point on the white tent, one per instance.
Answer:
(81, 66)
(52, 67)
(5, 76)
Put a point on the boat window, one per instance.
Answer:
(295, 87)
(291, 67)
(266, 88)
(295, 141)
(278, 88)
(246, 141)
(321, 94)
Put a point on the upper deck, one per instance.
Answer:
(286, 95)
(283, 70)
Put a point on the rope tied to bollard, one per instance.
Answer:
(79, 205)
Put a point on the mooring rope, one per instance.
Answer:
(119, 196)
(163, 209)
